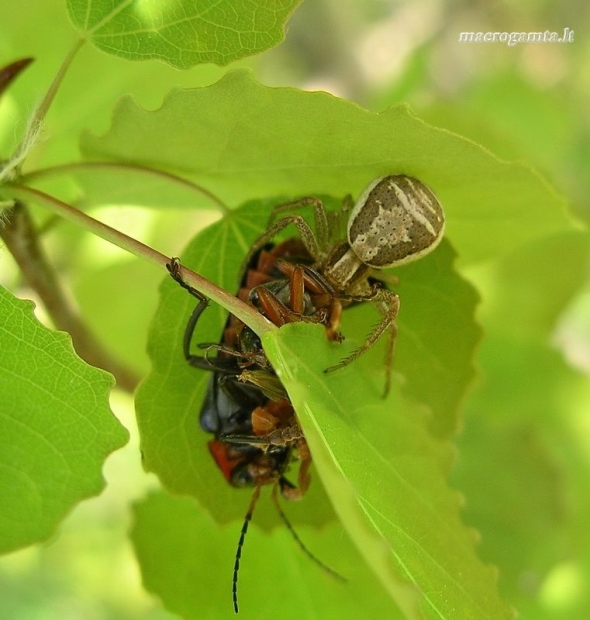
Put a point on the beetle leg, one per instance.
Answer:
(313, 281)
(283, 483)
(245, 358)
(274, 310)
(297, 290)
(333, 321)
(174, 269)
(323, 295)
(304, 477)
(263, 421)
(198, 361)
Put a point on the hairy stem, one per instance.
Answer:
(44, 105)
(11, 168)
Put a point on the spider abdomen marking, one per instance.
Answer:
(397, 219)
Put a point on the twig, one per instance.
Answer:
(242, 311)
(19, 234)
(121, 167)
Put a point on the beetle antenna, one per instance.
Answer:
(247, 519)
(298, 540)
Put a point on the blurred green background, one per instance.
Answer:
(525, 102)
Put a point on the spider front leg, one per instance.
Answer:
(338, 219)
(388, 304)
(306, 233)
(322, 226)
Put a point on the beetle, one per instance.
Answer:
(246, 407)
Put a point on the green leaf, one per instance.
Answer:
(169, 400)
(438, 336)
(242, 140)
(386, 478)
(94, 81)
(56, 426)
(186, 559)
(183, 33)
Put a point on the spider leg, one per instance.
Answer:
(306, 233)
(319, 212)
(388, 303)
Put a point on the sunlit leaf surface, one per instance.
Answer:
(242, 140)
(182, 32)
(56, 428)
(386, 477)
